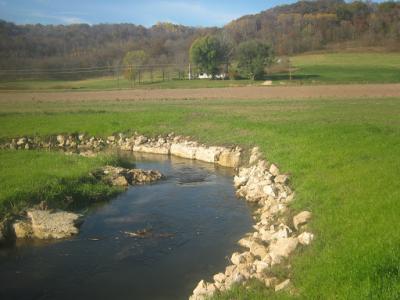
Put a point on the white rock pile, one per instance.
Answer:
(118, 176)
(273, 240)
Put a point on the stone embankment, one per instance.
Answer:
(276, 234)
(167, 145)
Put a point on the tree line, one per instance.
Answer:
(287, 29)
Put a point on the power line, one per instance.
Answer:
(87, 68)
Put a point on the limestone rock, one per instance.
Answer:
(283, 285)
(118, 176)
(282, 249)
(301, 219)
(246, 241)
(305, 238)
(203, 290)
(270, 281)
(185, 150)
(282, 232)
(242, 258)
(229, 270)
(21, 141)
(22, 229)
(119, 181)
(111, 139)
(245, 269)
(239, 181)
(207, 154)
(236, 258)
(255, 155)
(220, 277)
(229, 158)
(270, 190)
(127, 146)
(138, 176)
(281, 179)
(261, 266)
(237, 278)
(258, 249)
(57, 225)
(60, 140)
(140, 140)
(274, 170)
(147, 148)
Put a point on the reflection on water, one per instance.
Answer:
(193, 219)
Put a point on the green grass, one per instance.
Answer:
(109, 83)
(347, 68)
(343, 155)
(29, 177)
(328, 68)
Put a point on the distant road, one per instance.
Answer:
(250, 92)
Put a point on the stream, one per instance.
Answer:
(189, 224)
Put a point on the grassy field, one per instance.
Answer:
(310, 69)
(347, 68)
(343, 155)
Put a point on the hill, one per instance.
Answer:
(295, 28)
(314, 25)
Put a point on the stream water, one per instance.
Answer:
(193, 221)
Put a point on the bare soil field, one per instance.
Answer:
(251, 92)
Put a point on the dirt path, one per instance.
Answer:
(279, 92)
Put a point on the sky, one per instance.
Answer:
(144, 12)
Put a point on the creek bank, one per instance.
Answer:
(42, 223)
(170, 144)
(276, 235)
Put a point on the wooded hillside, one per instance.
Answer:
(300, 27)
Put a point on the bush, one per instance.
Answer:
(253, 57)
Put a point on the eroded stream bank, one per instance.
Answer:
(193, 220)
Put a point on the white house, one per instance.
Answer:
(207, 76)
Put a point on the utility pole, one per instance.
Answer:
(131, 75)
(118, 71)
(190, 71)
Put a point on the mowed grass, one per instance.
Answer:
(342, 154)
(347, 68)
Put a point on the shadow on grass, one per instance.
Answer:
(299, 77)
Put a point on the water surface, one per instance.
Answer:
(194, 220)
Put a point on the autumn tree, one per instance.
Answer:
(208, 54)
(132, 62)
(253, 57)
